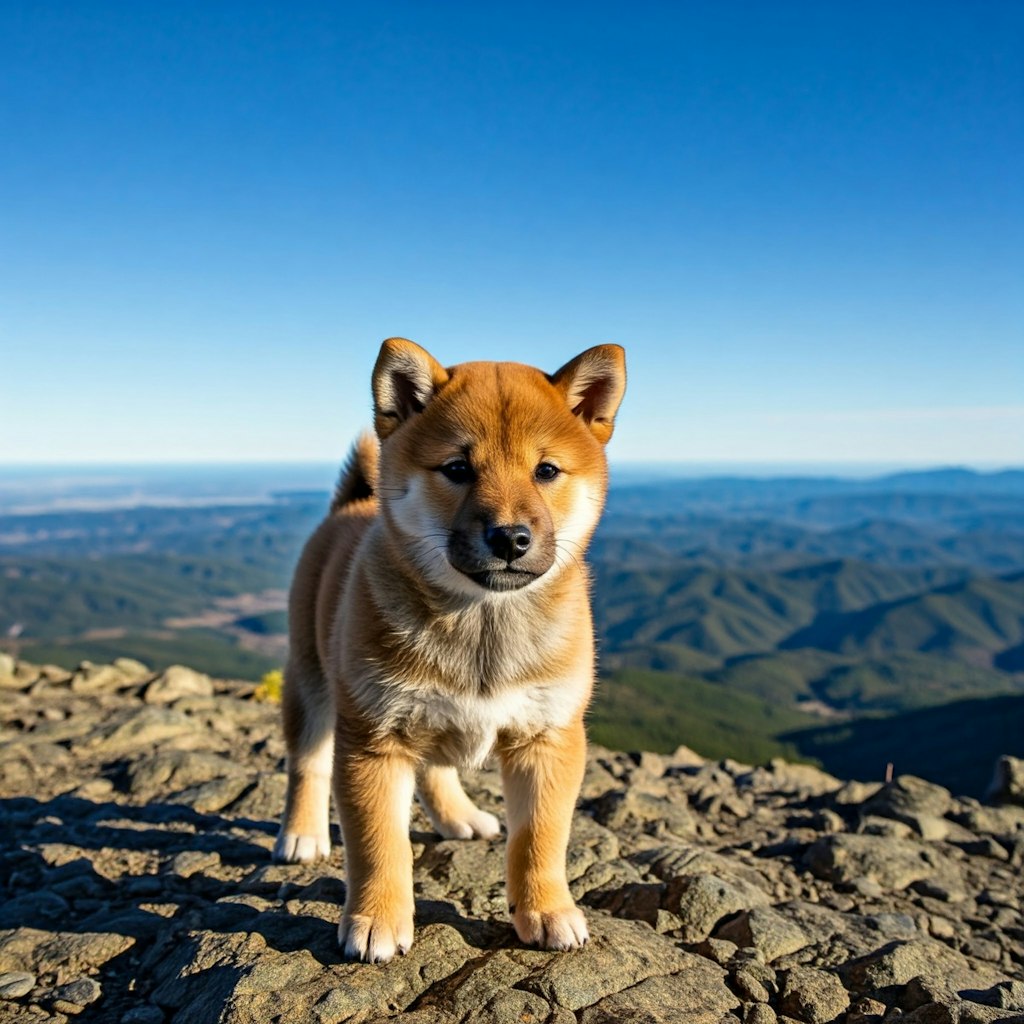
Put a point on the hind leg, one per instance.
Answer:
(451, 812)
(308, 712)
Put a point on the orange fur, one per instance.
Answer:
(440, 613)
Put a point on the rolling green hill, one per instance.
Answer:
(727, 612)
(65, 597)
(644, 710)
(974, 620)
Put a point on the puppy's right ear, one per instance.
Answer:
(405, 378)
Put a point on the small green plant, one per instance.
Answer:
(269, 690)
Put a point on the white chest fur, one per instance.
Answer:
(463, 729)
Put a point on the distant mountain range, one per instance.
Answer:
(742, 616)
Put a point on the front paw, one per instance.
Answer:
(375, 938)
(564, 928)
(292, 848)
(475, 824)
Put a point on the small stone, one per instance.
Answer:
(1008, 781)
(908, 796)
(827, 820)
(684, 757)
(949, 889)
(175, 683)
(921, 991)
(188, 863)
(941, 927)
(935, 1013)
(853, 793)
(866, 1009)
(131, 668)
(771, 934)
(702, 901)
(748, 988)
(90, 678)
(77, 994)
(875, 825)
(813, 996)
(760, 1013)
(146, 727)
(718, 950)
(15, 984)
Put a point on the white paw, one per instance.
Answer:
(552, 929)
(479, 824)
(292, 848)
(376, 939)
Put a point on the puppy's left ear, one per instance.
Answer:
(593, 384)
(405, 379)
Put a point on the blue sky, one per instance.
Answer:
(805, 221)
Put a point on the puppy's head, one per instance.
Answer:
(493, 475)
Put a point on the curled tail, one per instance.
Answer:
(358, 479)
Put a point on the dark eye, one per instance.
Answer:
(459, 471)
(546, 471)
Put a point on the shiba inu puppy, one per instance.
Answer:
(440, 614)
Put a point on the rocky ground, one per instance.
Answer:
(138, 812)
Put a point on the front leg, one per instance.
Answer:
(373, 792)
(542, 778)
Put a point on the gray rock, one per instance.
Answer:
(132, 668)
(766, 930)
(145, 727)
(851, 794)
(812, 996)
(265, 799)
(695, 995)
(620, 954)
(70, 953)
(213, 796)
(77, 994)
(634, 808)
(176, 770)
(702, 900)
(892, 864)
(772, 867)
(186, 864)
(749, 987)
(908, 796)
(975, 1013)
(1007, 785)
(353, 989)
(90, 678)
(1006, 822)
(15, 984)
(1007, 995)
(802, 780)
(896, 963)
(177, 682)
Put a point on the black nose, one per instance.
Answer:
(508, 542)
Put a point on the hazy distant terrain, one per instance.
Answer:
(832, 618)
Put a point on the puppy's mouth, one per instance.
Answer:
(502, 579)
